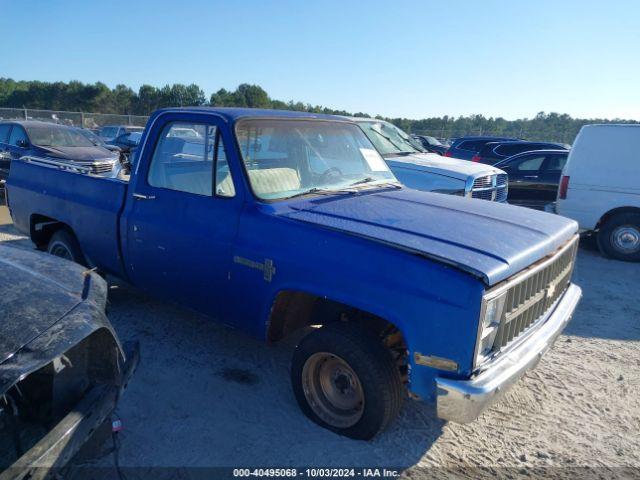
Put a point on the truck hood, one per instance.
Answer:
(434, 163)
(489, 240)
(36, 291)
(78, 154)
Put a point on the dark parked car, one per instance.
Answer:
(127, 141)
(110, 132)
(534, 177)
(62, 368)
(431, 144)
(466, 147)
(495, 152)
(52, 141)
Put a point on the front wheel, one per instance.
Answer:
(345, 380)
(619, 237)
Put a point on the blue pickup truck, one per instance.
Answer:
(284, 223)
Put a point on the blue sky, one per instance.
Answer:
(396, 58)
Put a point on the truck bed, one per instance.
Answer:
(89, 204)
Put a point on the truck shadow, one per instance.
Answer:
(225, 399)
(609, 308)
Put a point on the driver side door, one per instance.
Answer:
(182, 216)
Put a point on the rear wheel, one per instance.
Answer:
(619, 237)
(64, 245)
(345, 380)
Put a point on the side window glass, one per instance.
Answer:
(555, 163)
(18, 136)
(184, 159)
(471, 145)
(530, 164)
(224, 181)
(181, 161)
(4, 132)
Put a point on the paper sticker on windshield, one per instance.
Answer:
(374, 160)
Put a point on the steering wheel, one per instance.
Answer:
(331, 173)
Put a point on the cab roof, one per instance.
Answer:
(232, 114)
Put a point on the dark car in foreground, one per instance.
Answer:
(62, 367)
(465, 148)
(494, 152)
(431, 144)
(534, 177)
(30, 138)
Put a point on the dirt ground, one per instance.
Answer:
(206, 396)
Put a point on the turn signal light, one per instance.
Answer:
(564, 186)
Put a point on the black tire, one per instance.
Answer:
(65, 245)
(377, 374)
(613, 232)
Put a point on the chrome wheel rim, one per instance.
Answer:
(60, 250)
(333, 390)
(626, 239)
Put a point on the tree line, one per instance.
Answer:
(98, 97)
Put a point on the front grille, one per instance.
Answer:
(532, 294)
(97, 168)
(490, 187)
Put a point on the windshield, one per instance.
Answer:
(432, 141)
(57, 136)
(389, 139)
(93, 138)
(287, 158)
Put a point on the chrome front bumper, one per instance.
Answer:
(463, 400)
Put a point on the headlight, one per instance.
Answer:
(492, 314)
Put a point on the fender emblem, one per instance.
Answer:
(267, 268)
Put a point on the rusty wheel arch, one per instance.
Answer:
(295, 311)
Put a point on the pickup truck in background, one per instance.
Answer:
(19, 138)
(278, 223)
(431, 172)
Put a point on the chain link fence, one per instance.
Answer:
(97, 120)
(75, 119)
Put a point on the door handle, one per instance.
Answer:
(140, 196)
(531, 176)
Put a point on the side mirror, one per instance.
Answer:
(23, 143)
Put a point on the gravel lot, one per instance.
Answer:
(205, 395)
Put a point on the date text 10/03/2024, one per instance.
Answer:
(316, 472)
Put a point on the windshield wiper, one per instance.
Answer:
(405, 153)
(381, 184)
(319, 191)
(386, 138)
(360, 182)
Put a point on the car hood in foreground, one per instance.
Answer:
(491, 241)
(451, 167)
(78, 154)
(36, 291)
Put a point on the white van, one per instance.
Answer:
(600, 187)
